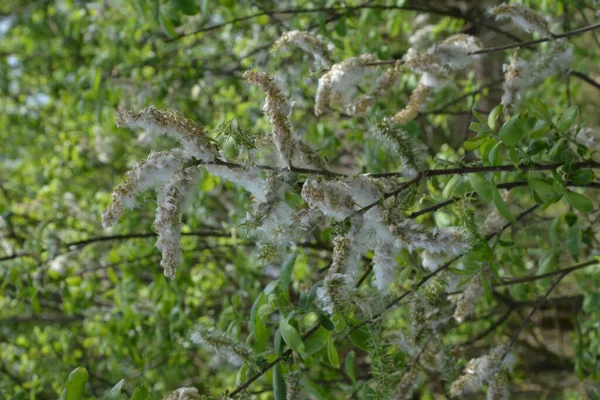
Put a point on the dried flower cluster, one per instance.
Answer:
(479, 371)
(277, 109)
(222, 344)
(339, 85)
(522, 16)
(194, 138)
(520, 74)
(436, 64)
(184, 393)
(466, 305)
(309, 43)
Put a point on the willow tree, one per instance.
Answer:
(390, 200)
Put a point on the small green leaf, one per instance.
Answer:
(536, 147)
(315, 390)
(326, 322)
(74, 280)
(574, 240)
(567, 118)
(494, 156)
(479, 118)
(541, 110)
(112, 275)
(332, 353)
(487, 289)
(361, 339)
(512, 131)
(451, 186)
(316, 341)
(167, 26)
(141, 392)
(286, 274)
(279, 390)
(115, 392)
(75, 384)
(349, 365)
(541, 186)
(474, 143)
(502, 207)
(278, 342)
(493, 117)
(579, 201)
(582, 176)
(482, 186)
(291, 336)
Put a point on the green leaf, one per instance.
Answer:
(278, 342)
(474, 143)
(582, 176)
(115, 392)
(75, 385)
(536, 147)
(479, 118)
(361, 339)
(482, 186)
(326, 322)
(502, 207)
(279, 390)
(451, 186)
(141, 392)
(579, 201)
(567, 118)
(574, 240)
(291, 336)
(541, 186)
(316, 341)
(540, 109)
(315, 390)
(493, 117)
(349, 365)
(188, 7)
(487, 289)
(332, 353)
(167, 26)
(512, 131)
(286, 274)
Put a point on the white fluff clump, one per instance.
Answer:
(589, 138)
(431, 261)
(166, 221)
(466, 304)
(222, 344)
(515, 74)
(437, 62)
(478, 372)
(422, 38)
(277, 110)
(522, 16)
(336, 289)
(184, 393)
(384, 264)
(308, 42)
(384, 83)
(446, 240)
(331, 197)
(152, 172)
(338, 85)
(250, 179)
(194, 138)
(520, 74)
